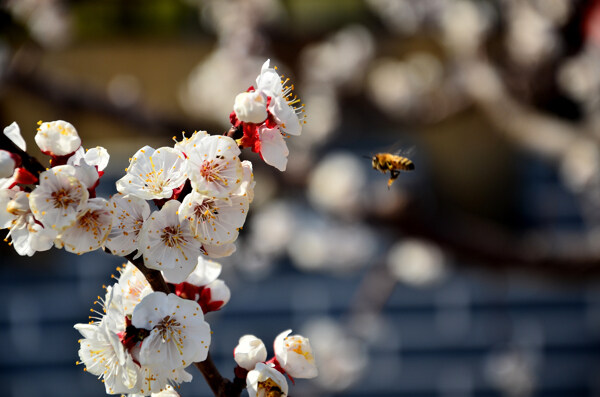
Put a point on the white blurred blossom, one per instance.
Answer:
(401, 86)
(341, 359)
(337, 184)
(513, 372)
(416, 262)
(579, 77)
(272, 227)
(463, 24)
(321, 62)
(48, 20)
(319, 246)
(531, 37)
(580, 165)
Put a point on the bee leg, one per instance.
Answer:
(393, 175)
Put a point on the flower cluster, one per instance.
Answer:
(144, 340)
(267, 114)
(177, 207)
(293, 357)
(203, 191)
(59, 206)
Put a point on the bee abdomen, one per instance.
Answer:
(405, 164)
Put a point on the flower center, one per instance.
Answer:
(269, 388)
(209, 170)
(167, 327)
(62, 198)
(295, 345)
(172, 236)
(89, 220)
(206, 210)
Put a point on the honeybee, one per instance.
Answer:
(385, 162)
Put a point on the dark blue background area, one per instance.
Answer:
(41, 301)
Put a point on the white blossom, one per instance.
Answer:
(133, 287)
(91, 228)
(168, 244)
(58, 198)
(103, 355)
(295, 356)
(263, 379)
(283, 103)
(153, 174)
(214, 166)
(179, 336)
(102, 352)
(129, 213)
(27, 235)
(249, 351)
(57, 138)
(214, 220)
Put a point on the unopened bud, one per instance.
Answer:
(57, 138)
(250, 107)
(249, 352)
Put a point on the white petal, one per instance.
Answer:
(273, 148)
(14, 134)
(285, 116)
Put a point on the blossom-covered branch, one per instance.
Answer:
(177, 209)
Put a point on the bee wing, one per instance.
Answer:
(408, 151)
(401, 148)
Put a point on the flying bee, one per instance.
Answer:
(394, 163)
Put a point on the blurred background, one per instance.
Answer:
(475, 275)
